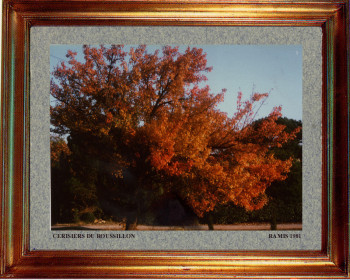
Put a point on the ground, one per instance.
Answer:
(114, 226)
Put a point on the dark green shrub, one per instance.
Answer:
(87, 217)
(98, 213)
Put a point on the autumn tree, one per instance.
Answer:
(284, 197)
(146, 126)
(285, 203)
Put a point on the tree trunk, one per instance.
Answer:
(210, 221)
(131, 222)
(273, 223)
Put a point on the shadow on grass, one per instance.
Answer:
(71, 228)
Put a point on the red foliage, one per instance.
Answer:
(58, 147)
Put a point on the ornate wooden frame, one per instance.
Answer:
(16, 258)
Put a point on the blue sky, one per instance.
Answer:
(276, 69)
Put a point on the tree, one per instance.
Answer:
(286, 196)
(60, 195)
(149, 128)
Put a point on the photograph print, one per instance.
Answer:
(166, 137)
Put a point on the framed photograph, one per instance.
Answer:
(175, 139)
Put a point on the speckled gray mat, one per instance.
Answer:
(41, 236)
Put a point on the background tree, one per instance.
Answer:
(61, 197)
(141, 126)
(284, 197)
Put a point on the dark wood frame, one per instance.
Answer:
(16, 258)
